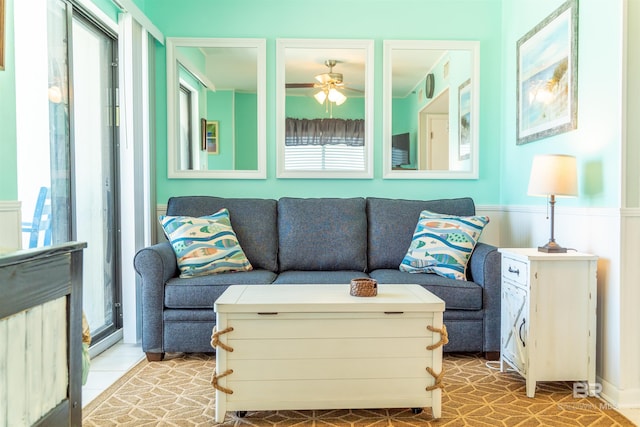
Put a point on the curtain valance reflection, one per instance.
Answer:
(325, 132)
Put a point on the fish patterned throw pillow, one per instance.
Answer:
(442, 244)
(205, 245)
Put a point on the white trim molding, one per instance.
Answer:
(10, 224)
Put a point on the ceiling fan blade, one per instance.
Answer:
(298, 85)
(350, 89)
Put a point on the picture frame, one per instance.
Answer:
(464, 120)
(547, 76)
(203, 134)
(212, 137)
(2, 35)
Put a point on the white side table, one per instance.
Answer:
(548, 326)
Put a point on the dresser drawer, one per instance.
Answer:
(515, 270)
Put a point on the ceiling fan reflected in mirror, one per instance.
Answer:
(330, 86)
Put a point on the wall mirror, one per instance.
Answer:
(430, 109)
(324, 108)
(216, 108)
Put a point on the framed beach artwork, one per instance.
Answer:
(547, 76)
(212, 137)
(464, 121)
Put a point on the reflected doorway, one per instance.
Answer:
(433, 135)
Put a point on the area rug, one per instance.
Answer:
(178, 392)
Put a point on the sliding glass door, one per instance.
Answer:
(94, 70)
(77, 165)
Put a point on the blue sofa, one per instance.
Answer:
(321, 240)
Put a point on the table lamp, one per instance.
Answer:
(553, 175)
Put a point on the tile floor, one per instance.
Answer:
(107, 367)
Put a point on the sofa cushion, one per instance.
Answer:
(253, 220)
(205, 245)
(442, 244)
(201, 292)
(292, 277)
(322, 234)
(457, 294)
(393, 221)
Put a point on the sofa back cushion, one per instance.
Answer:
(253, 220)
(322, 234)
(393, 221)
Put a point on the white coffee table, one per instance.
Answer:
(317, 347)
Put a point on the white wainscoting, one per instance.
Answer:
(629, 390)
(10, 224)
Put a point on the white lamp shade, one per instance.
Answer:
(553, 174)
(336, 96)
(320, 97)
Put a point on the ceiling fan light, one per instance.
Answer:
(336, 96)
(320, 97)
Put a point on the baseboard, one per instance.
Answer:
(619, 398)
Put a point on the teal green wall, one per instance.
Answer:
(597, 141)
(220, 109)
(8, 149)
(405, 119)
(108, 8)
(497, 24)
(306, 107)
(377, 20)
(246, 131)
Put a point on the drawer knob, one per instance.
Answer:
(514, 270)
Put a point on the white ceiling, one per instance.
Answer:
(235, 68)
(232, 67)
(410, 66)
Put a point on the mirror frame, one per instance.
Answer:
(172, 107)
(389, 45)
(368, 49)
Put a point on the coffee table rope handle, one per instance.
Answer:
(214, 381)
(438, 377)
(444, 336)
(215, 338)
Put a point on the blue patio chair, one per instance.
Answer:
(41, 220)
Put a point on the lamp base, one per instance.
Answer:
(552, 248)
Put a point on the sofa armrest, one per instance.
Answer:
(485, 265)
(155, 264)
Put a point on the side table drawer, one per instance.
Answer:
(515, 270)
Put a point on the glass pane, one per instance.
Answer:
(59, 138)
(93, 167)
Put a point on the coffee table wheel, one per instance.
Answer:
(241, 414)
(416, 411)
